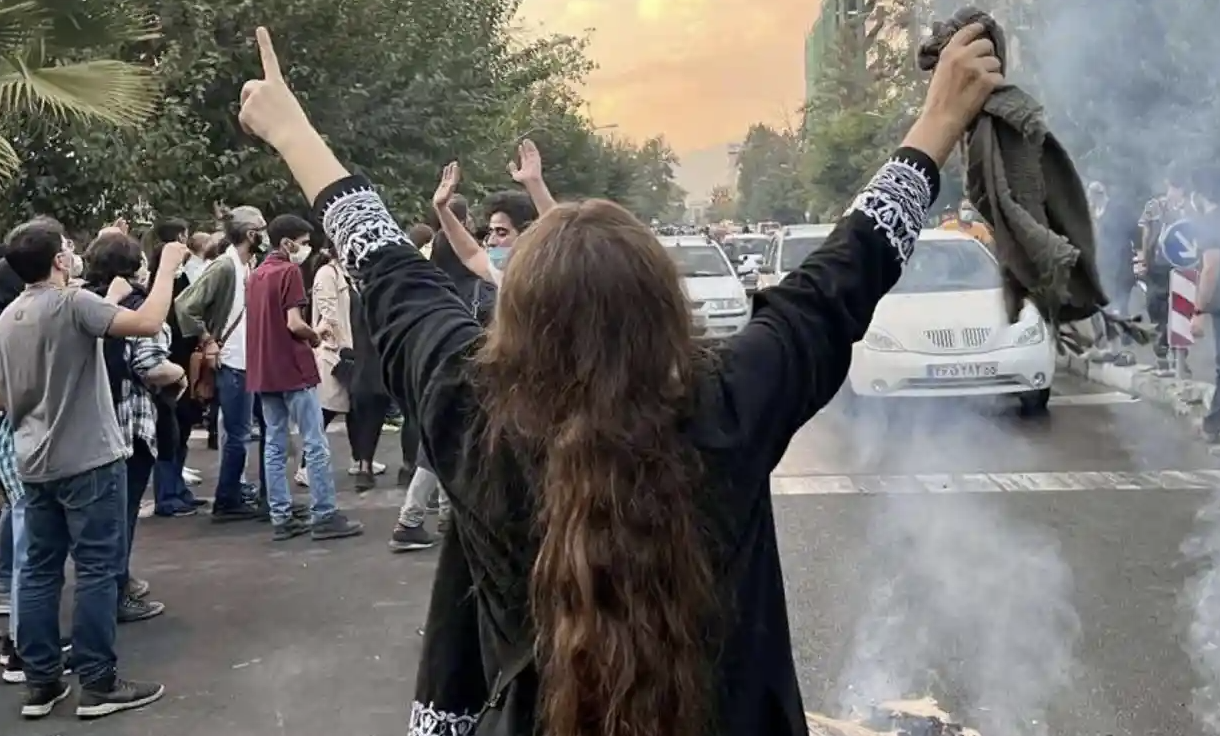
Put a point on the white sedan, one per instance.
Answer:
(942, 331)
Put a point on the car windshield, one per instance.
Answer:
(699, 260)
(796, 248)
(948, 265)
(738, 247)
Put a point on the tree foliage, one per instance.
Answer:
(722, 205)
(768, 183)
(398, 88)
(37, 37)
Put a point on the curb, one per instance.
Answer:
(1185, 398)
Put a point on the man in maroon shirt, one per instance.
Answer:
(281, 369)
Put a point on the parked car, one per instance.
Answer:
(718, 299)
(788, 247)
(943, 331)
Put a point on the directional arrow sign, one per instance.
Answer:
(1180, 245)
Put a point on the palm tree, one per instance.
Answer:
(47, 66)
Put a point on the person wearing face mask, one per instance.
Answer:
(968, 221)
(213, 309)
(144, 385)
(71, 452)
(282, 369)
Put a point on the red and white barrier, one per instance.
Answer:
(1183, 290)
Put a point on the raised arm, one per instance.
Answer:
(794, 354)
(527, 172)
(419, 324)
(464, 244)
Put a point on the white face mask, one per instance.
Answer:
(300, 255)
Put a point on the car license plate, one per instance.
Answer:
(964, 370)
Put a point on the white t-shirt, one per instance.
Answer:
(193, 267)
(233, 354)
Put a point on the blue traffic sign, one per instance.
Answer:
(1180, 244)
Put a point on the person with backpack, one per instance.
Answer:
(144, 385)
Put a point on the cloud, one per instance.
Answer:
(699, 71)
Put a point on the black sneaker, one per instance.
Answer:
(294, 527)
(40, 700)
(408, 538)
(120, 696)
(224, 514)
(137, 588)
(337, 526)
(13, 671)
(12, 668)
(133, 609)
(365, 481)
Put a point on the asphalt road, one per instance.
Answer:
(1025, 571)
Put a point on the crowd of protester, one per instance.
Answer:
(604, 480)
(257, 323)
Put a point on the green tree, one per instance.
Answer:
(769, 186)
(53, 67)
(398, 87)
(654, 194)
(722, 206)
(866, 98)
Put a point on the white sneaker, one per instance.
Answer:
(301, 477)
(378, 468)
(191, 477)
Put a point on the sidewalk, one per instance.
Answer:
(1187, 398)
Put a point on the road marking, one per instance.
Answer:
(820, 485)
(389, 496)
(1102, 399)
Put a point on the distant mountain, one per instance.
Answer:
(699, 171)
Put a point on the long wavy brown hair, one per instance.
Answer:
(591, 359)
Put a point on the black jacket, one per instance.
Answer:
(771, 379)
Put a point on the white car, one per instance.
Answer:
(788, 248)
(718, 299)
(942, 331)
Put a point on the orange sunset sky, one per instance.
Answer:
(698, 71)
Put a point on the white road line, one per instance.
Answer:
(388, 496)
(819, 485)
(1103, 399)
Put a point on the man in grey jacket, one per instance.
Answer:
(214, 309)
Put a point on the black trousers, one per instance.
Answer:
(364, 424)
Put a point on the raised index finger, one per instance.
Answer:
(964, 37)
(266, 52)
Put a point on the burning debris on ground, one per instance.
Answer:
(897, 718)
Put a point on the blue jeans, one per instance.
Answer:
(303, 408)
(18, 551)
(83, 515)
(236, 412)
(6, 550)
(169, 489)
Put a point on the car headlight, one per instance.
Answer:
(725, 305)
(1031, 334)
(876, 340)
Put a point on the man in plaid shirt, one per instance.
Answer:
(136, 366)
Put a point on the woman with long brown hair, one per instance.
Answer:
(612, 568)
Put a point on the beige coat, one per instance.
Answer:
(332, 307)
